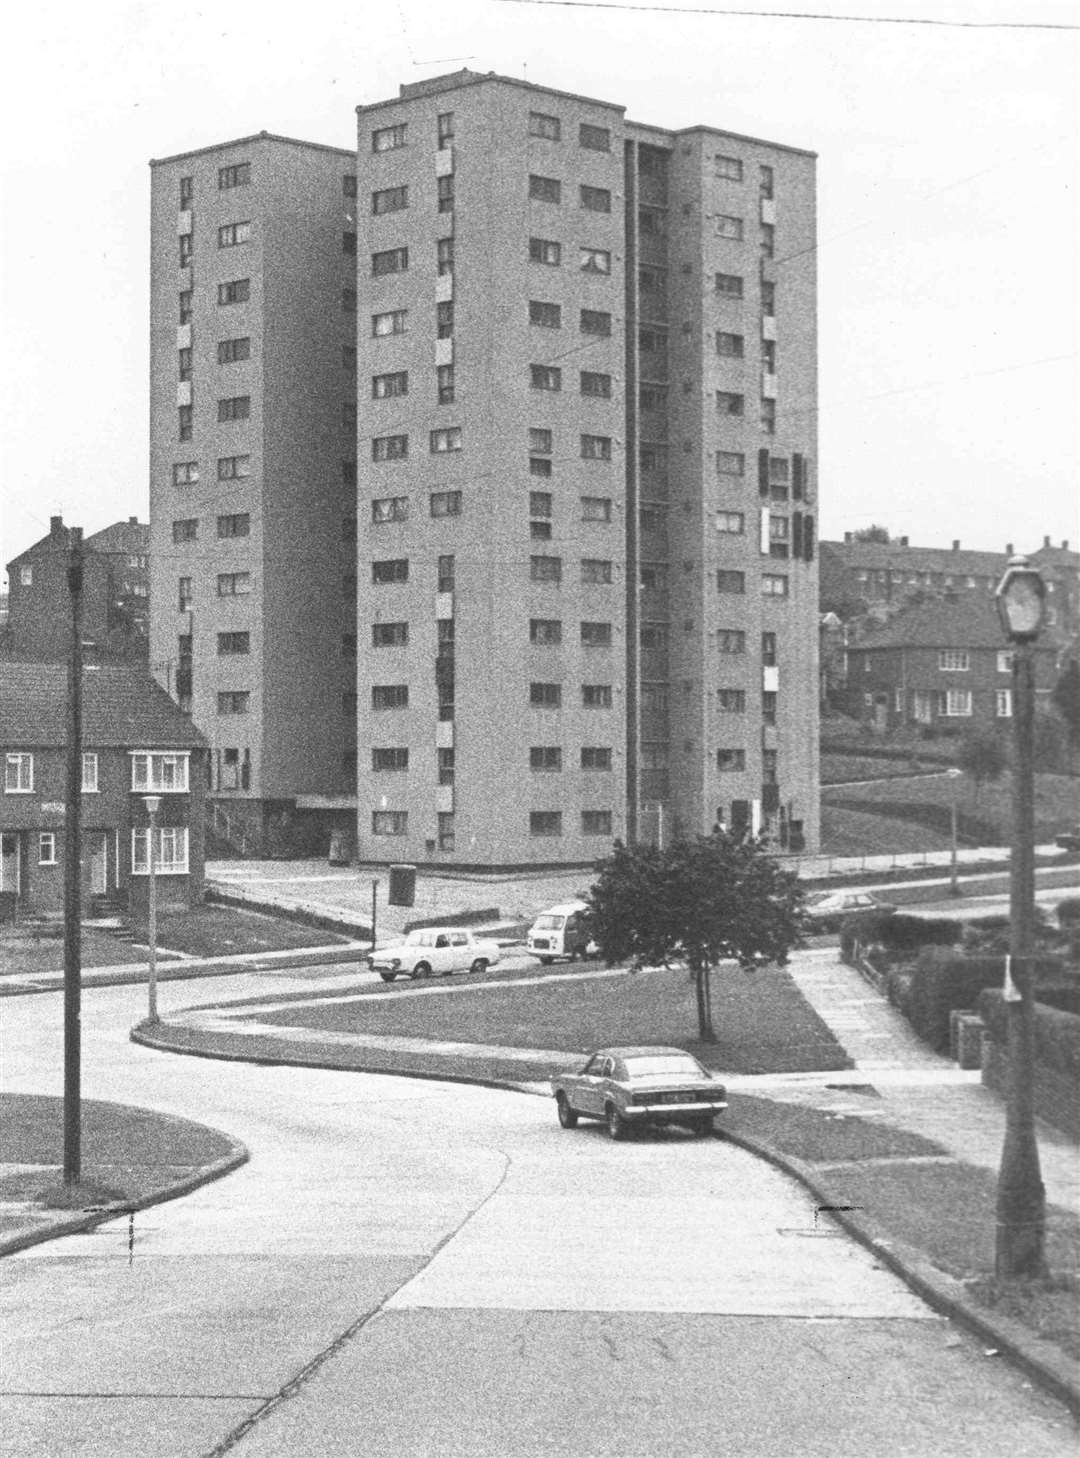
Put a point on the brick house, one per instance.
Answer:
(135, 742)
(942, 664)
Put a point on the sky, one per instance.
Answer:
(947, 222)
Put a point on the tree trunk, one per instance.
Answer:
(703, 991)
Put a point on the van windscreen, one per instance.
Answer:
(549, 922)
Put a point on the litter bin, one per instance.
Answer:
(339, 848)
(402, 890)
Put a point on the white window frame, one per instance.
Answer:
(159, 772)
(47, 848)
(170, 850)
(1003, 705)
(953, 660)
(957, 704)
(18, 773)
(1005, 660)
(90, 773)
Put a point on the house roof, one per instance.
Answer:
(901, 558)
(121, 708)
(963, 621)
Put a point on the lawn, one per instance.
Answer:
(1057, 800)
(763, 1023)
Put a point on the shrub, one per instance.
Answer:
(1068, 911)
(898, 989)
(990, 934)
(1057, 1033)
(943, 981)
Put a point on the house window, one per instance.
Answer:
(729, 760)
(594, 260)
(731, 522)
(445, 191)
(545, 250)
(444, 320)
(186, 530)
(545, 695)
(230, 351)
(654, 635)
(184, 595)
(545, 189)
(768, 706)
(541, 125)
(547, 316)
(595, 570)
(348, 184)
(236, 407)
(392, 322)
(229, 644)
(170, 850)
(445, 574)
(730, 582)
(187, 249)
(730, 284)
(236, 524)
(768, 416)
(768, 650)
(90, 774)
(391, 761)
(184, 364)
(185, 473)
(765, 180)
(540, 441)
(47, 848)
(1003, 703)
(152, 772)
(389, 508)
(596, 696)
(545, 632)
(391, 260)
(596, 199)
(731, 640)
(768, 299)
(540, 503)
(596, 448)
(958, 704)
(443, 441)
(729, 346)
(597, 322)
(545, 569)
(444, 129)
(231, 234)
(731, 701)
(236, 291)
(238, 175)
(774, 585)
(729, 227)
(390, 569)
(545, 377)
(444, 256)
(596, 508)
(444, 384)
(596, 635)
(768, 240)
(596, 139)
(388, 139)
(954, 660)
(187, 193)
(389, 635)
(1005, 661)
(729, 167)
(233, 701)
(18, 774)
(594, 757)
(233, 584)
(545, 822)
(185, 306)
(729, 404)
(185, 422)
(389, 200)
(445, 503)
(389, 447)
(545, 758)
(596, 822)
(386, 387)
(596, 385)
(446, 766)
(389, 822)
(233, 468)
(730, 463)
(390, 696)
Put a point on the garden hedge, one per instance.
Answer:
(1057, 1033)
(897, 932)
(943, 981)
(1068, 911)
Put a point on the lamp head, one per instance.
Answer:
(152, 803)
(1020, 600)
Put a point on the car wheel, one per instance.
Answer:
(480, 965)
(422, 969)
(568, 1117)
(546, 961)
(387, 976)
(617, 1126)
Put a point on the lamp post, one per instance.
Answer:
(152, 803)
(954, 877)
(1021, 1198)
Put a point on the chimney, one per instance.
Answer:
(1065, 544)
(1008, 549)
(56, 526)
(133, 521)
(956, 544)
(1046, 541)
(849, 536)
(903, 541)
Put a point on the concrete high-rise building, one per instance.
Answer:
(253, 475)
(484, 476)
(587, 586)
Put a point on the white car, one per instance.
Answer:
(434, 951)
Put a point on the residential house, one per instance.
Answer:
(136, 743)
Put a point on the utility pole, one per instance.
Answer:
(73, 875)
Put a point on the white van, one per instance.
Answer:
(560, 932)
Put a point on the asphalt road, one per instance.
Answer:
(412, 1268)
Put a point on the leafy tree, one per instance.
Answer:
(983, 757)
(1051, 748)
(703, 900)
(873, 533)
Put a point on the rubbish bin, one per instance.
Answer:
(339, 848)
(402, 890)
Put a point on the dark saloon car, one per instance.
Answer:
(628, 1087)
(825, 910)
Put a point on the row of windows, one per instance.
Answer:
(549, 190)
(541, 823)
(229, 584)
(542, 758)
(595, 570)
(541, 695)
(772, 584)
(229, 468)
(149, 771)
(540, 124)
(449, 439)
(549, 252)
(236, 524)
(595, 322)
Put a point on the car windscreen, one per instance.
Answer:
(549, 923)
(819, 898)
(664, 1065)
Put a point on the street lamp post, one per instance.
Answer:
(1021, 1198)
(152, 803)
(954, 875)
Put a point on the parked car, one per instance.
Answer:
(1070, 839)
(628, 1087)
(825, 910)
(561, 931)
(434, 951)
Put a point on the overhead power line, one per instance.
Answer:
(802, 15)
